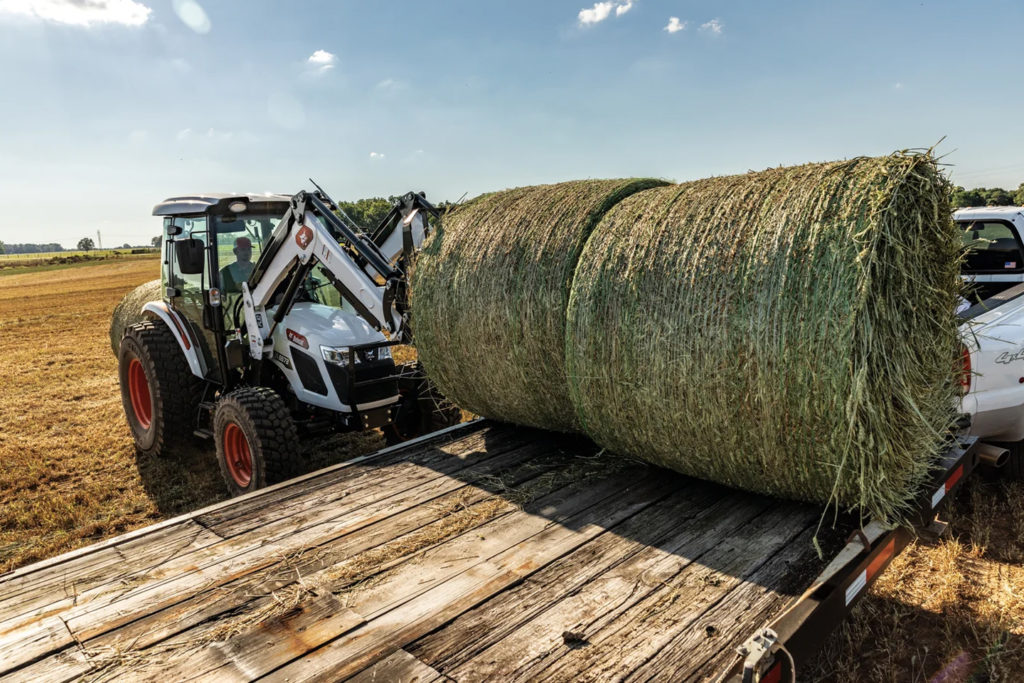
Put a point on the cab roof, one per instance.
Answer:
(981, 212)
(199, 203)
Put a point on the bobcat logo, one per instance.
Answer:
(304, 237)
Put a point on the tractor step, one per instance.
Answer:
(208, 406)
(203, 433)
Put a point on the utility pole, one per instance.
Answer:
(99, 240)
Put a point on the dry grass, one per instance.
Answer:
(948, 612)
(69, 474)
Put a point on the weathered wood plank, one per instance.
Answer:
(399, 667)
(26, 594)
(135, 564)
(749, 606)
(216, 563)
(209, 654)
(450, 433)
(244, 592)
(425, 611)
(444, 458)
(612, 643)
(686, 524)
(69, 665)
(33, 641)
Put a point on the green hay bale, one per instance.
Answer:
(129, 310)
(789, 332)
(489, 295)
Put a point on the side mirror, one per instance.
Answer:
(189, 253)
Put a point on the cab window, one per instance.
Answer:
(991, 247)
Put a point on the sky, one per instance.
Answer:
(109, 106)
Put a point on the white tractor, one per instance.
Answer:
(277, 319)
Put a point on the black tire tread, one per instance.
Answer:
(176, 390)
(276, 439)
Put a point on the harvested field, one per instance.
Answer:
(69, 474)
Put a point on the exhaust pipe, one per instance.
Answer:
(993, 456)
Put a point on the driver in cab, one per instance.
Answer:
(234, 274)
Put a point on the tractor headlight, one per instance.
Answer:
(339, 355)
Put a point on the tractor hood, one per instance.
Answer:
(329, 326)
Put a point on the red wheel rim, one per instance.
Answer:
(138, 391)
(237, 455)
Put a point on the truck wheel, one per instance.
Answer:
(257, 443)
(158, 390)
(1014, 467)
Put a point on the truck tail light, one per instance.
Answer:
(965, 370)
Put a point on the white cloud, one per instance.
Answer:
(184, 134)
(192, 15)
(623, 8)
(897, 86)
(391, 85)
(675, 26)
(714, 27)
(596, 14)
(322, 61)
(376, 155)
(80, 12)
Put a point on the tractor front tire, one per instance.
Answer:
(158, 390)
(257, 444)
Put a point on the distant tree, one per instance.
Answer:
(1018, 196)
(962, 198)
(2, 249)
(997, 196)
(85, 244)
(156, 241)
(368, 213)
(126, 246)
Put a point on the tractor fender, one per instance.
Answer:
(177, 326)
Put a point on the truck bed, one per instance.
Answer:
(483, 552)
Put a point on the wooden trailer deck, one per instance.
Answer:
(487, 552)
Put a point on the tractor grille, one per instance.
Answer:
(309, 373)
(383, 372)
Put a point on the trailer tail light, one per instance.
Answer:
(965, 371)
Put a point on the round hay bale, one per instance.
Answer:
(489, 294)
(789, 332)
(129, 310)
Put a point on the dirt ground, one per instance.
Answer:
(950, 611)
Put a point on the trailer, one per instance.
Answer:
(483, 551)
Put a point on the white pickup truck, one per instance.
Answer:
(993, 327)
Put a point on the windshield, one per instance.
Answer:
(991, 247)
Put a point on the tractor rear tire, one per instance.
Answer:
(158, 390)
(257, 443)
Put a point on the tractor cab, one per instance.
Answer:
(212, 245)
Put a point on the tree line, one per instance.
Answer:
(987, 196)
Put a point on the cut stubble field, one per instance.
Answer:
(69, 477)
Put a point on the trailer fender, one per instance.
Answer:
(188, 347)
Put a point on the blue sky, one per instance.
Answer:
(111, 105)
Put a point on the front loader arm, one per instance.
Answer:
(308, 234)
